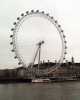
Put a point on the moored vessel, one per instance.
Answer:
(40, 80)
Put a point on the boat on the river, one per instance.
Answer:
(40, 80)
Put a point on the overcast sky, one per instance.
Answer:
(65, 11)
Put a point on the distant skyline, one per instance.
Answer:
(65, 11)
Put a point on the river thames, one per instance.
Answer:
(40, 91)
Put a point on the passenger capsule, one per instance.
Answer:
(47, 14)
(15, 57)
(19, 63)
(64, 58)
(55, 21)
(65, 52)
(51, 17)
(22, 14)
(32, 11)
(62, 31)
(37, 10)
(64, 36)
(12, 50)
(65, 47)
(12, 29)
(18, 18)
(14, 23)
(59, 25)
(11, 36)
(27, 12)
(11, 43)
(43, 12)
(65, 41)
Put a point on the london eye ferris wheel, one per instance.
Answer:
(37, 36)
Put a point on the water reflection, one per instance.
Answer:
(54, 91)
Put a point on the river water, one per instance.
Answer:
(40, 91)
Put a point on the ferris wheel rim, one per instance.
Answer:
(52, 20)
